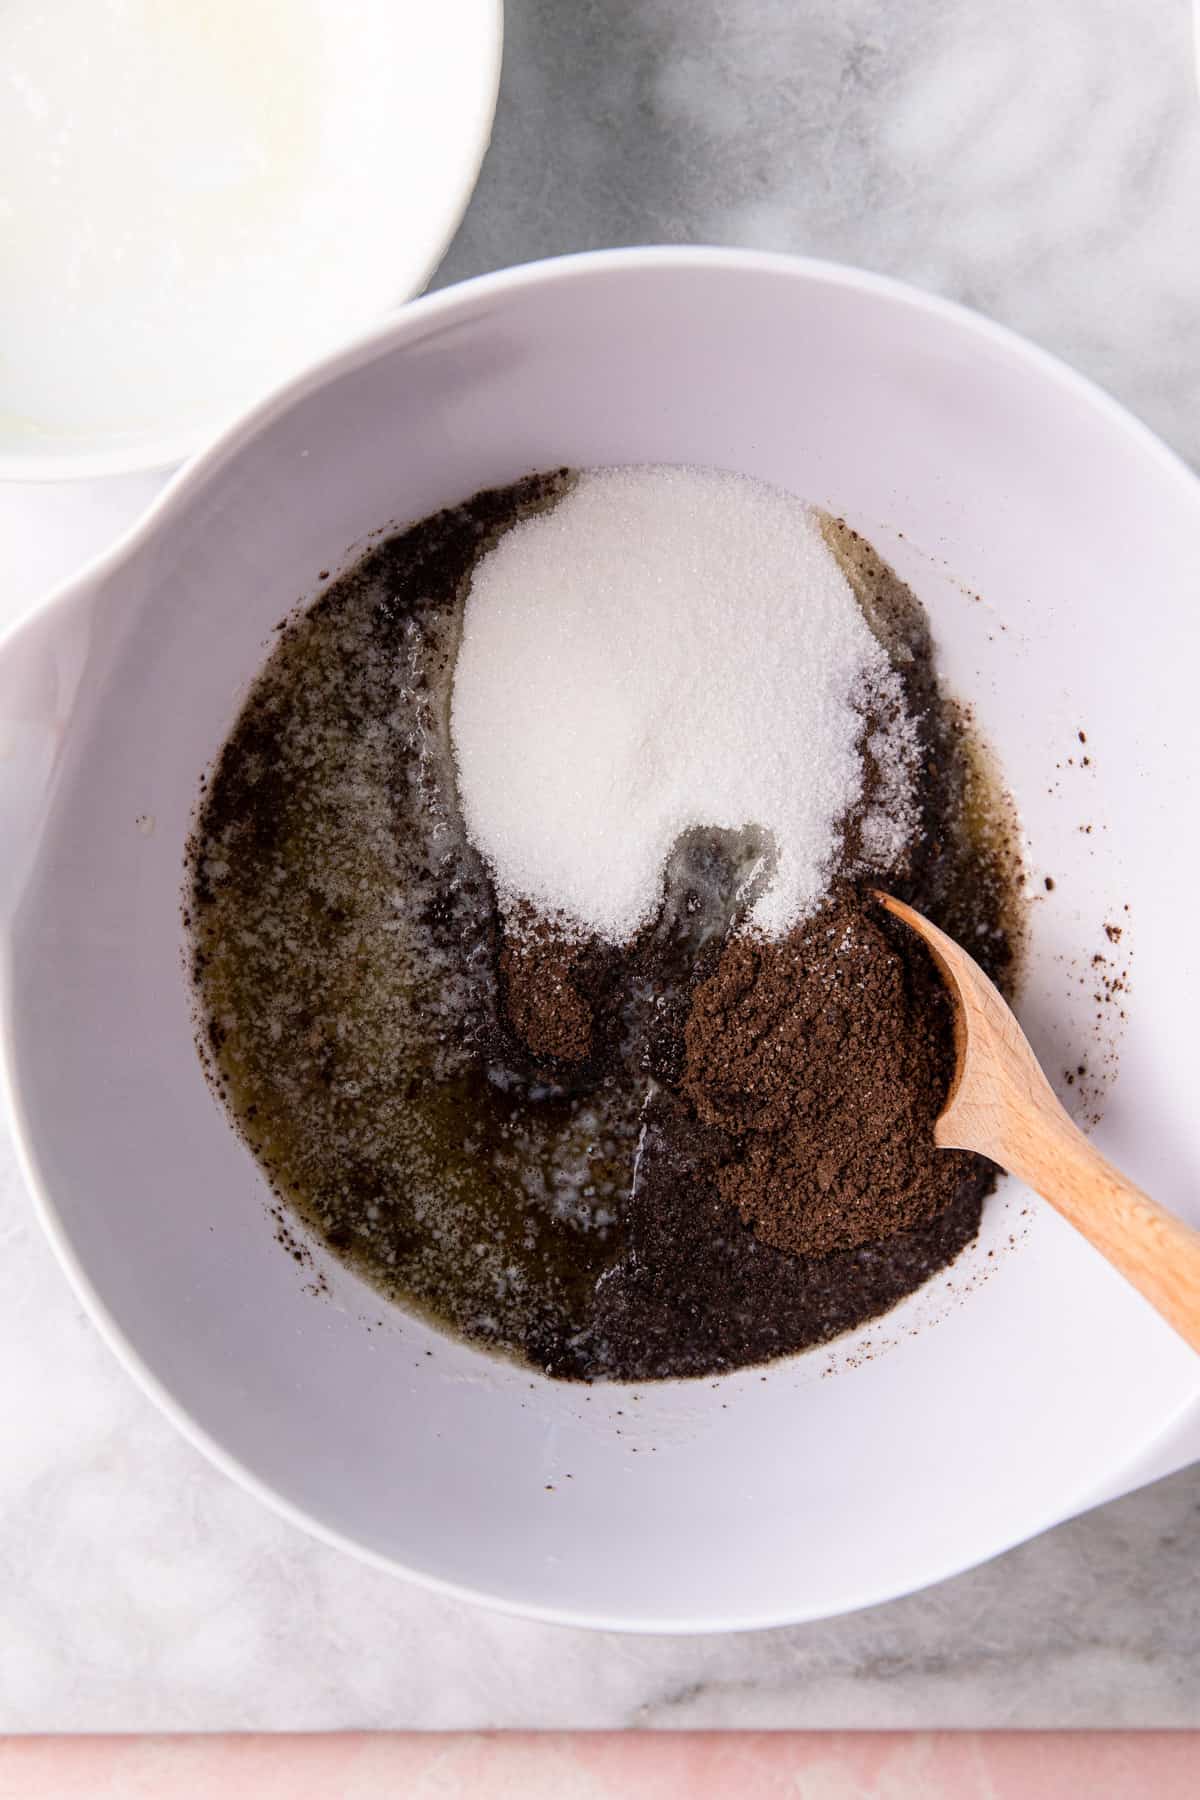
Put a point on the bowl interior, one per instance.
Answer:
(1051, 540)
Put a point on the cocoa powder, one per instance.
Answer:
(548, 1014)
(826, 1058)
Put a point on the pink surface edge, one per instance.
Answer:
(594, 1765)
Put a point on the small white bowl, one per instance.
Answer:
(1022, 1385)
(196, 201)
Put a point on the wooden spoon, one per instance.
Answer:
(1002, 1106)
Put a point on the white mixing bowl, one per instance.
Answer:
(197, 200)
(1017, 1388)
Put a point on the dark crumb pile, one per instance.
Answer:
(696, 1152)
(698, 1292)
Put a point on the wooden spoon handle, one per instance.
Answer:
(1002, 1106)
(1155, 1251)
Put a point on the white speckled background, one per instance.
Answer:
(1039, 160)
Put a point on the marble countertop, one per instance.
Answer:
(1040, 161)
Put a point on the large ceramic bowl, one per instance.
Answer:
(1055, 544)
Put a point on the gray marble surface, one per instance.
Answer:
(1040, 160)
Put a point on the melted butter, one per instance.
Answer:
(345, 951)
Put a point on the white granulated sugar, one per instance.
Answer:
(666, 648)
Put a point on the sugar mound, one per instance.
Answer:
(665, 649)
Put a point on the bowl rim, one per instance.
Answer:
(160, 450)
(389, 336)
